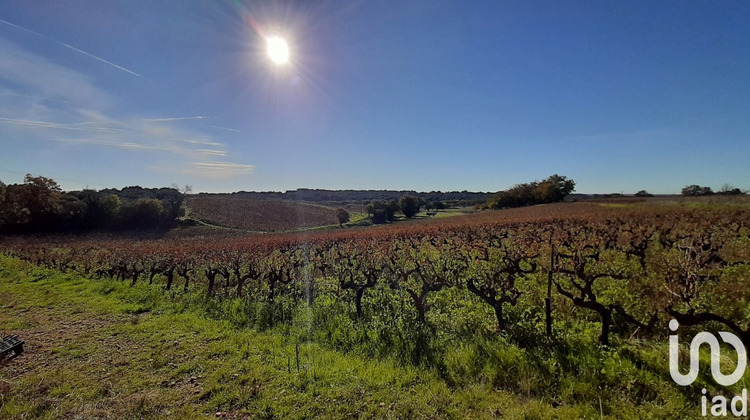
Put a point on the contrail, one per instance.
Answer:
(74, 49)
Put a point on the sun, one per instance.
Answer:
(278, 50)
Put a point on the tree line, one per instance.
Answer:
(697, 190)
(38, 205)
(451, 198)
(382, 212)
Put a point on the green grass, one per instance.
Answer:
(101, 348)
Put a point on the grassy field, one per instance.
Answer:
(104, 349)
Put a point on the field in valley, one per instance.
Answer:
(259, 215)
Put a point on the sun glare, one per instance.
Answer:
(278, 50)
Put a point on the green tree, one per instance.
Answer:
(3, 215)
(33, 205)
(342, 215)
(171, 199)
(378, 211)
(550, 190)
(144, 214)
(691, 190)
(110, 205)
(727, 189)
(41, 195)
(408, 205)
(643, 193)
(390, 210)
(696, 190)
(72, 211)
(561, 186)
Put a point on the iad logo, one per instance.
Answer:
(719, 408)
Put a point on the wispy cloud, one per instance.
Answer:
(109, 63)
(219, 170)
(234, 130)
(173, 119)
(137, 135)
(32, 97)
(218, 127)
(205, 143)
(40, 77)
(45, 124)
(54, 103)
(209, 152)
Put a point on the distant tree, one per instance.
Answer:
(73, 213)
(102, 210)
(691, 190)
(3, 214)
(171, 199)
(31, 206)
(429, 206)
(439, 205)
(550, 190)
(696, 190)
(408, 205)
(390, 210)
(187, 189)
(643, 193)
(110, 205)
(41, 195)
(727, 189)
(561, 186)
(538, 192)
(146, 213)
(342, 215)
(378, 211)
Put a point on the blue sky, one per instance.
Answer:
(435, 95)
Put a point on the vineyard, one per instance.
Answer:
(259, 215)
(545, 303)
